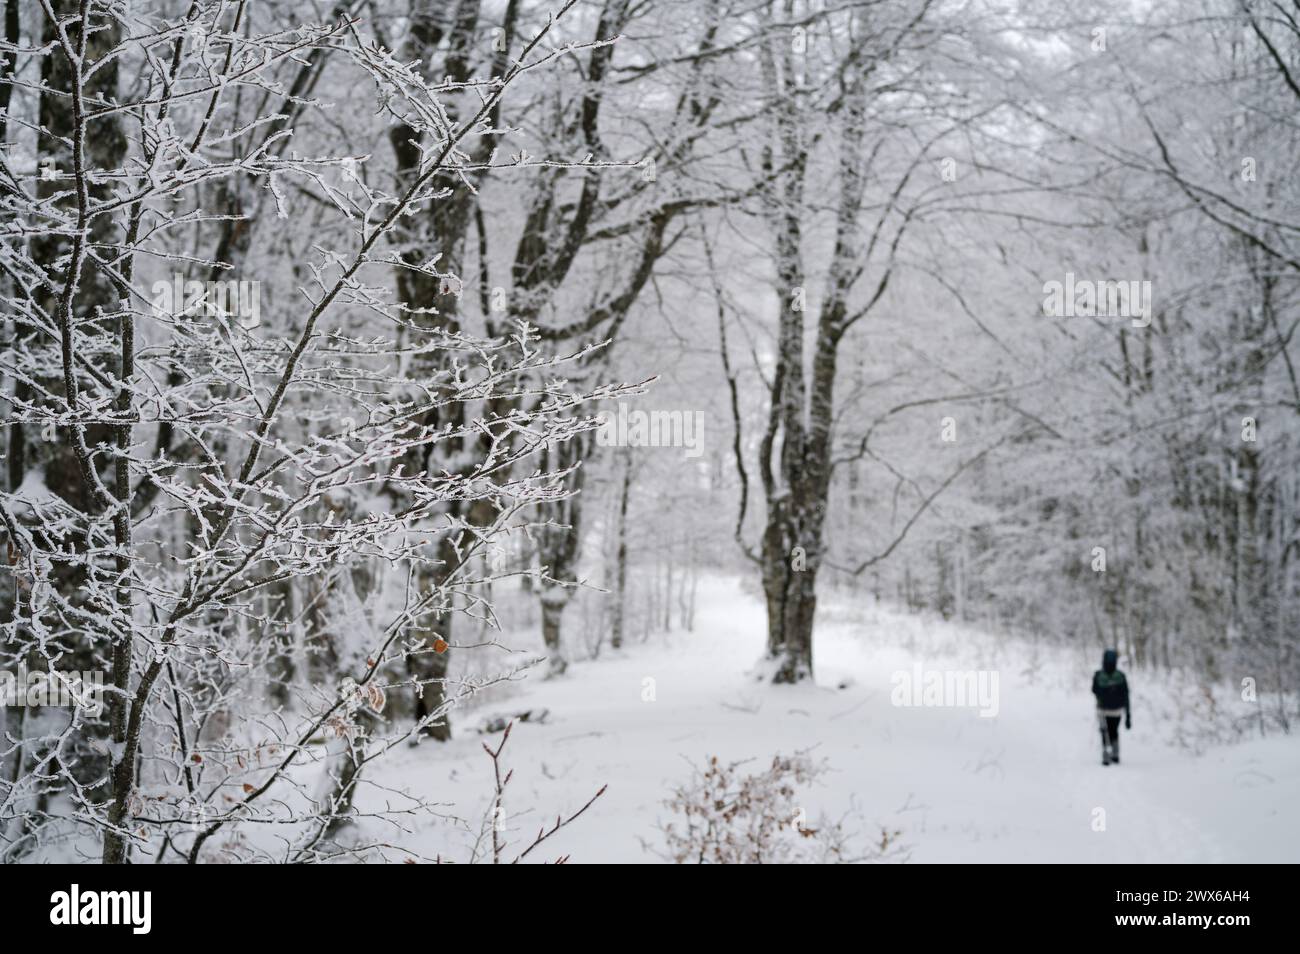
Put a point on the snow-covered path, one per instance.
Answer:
(1024, 786)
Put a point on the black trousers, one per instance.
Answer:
(1109, 737)
(1112, 728)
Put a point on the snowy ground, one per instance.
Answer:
(1023, 786)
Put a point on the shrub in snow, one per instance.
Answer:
(726, 817)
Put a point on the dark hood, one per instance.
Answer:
(1108, 660)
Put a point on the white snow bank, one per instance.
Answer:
(1024, 786)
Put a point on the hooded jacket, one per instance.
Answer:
(1109, 685)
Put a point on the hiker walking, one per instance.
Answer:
(1111, 691)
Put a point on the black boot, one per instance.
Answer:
(1105, 748)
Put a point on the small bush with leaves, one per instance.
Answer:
(726, 817)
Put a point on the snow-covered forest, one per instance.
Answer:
(701, 431)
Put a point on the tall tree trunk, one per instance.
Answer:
(560, 546)
(75, 296)
(620, 558)
(795, 454)
(428, 667)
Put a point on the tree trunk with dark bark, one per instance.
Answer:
(620, 558)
